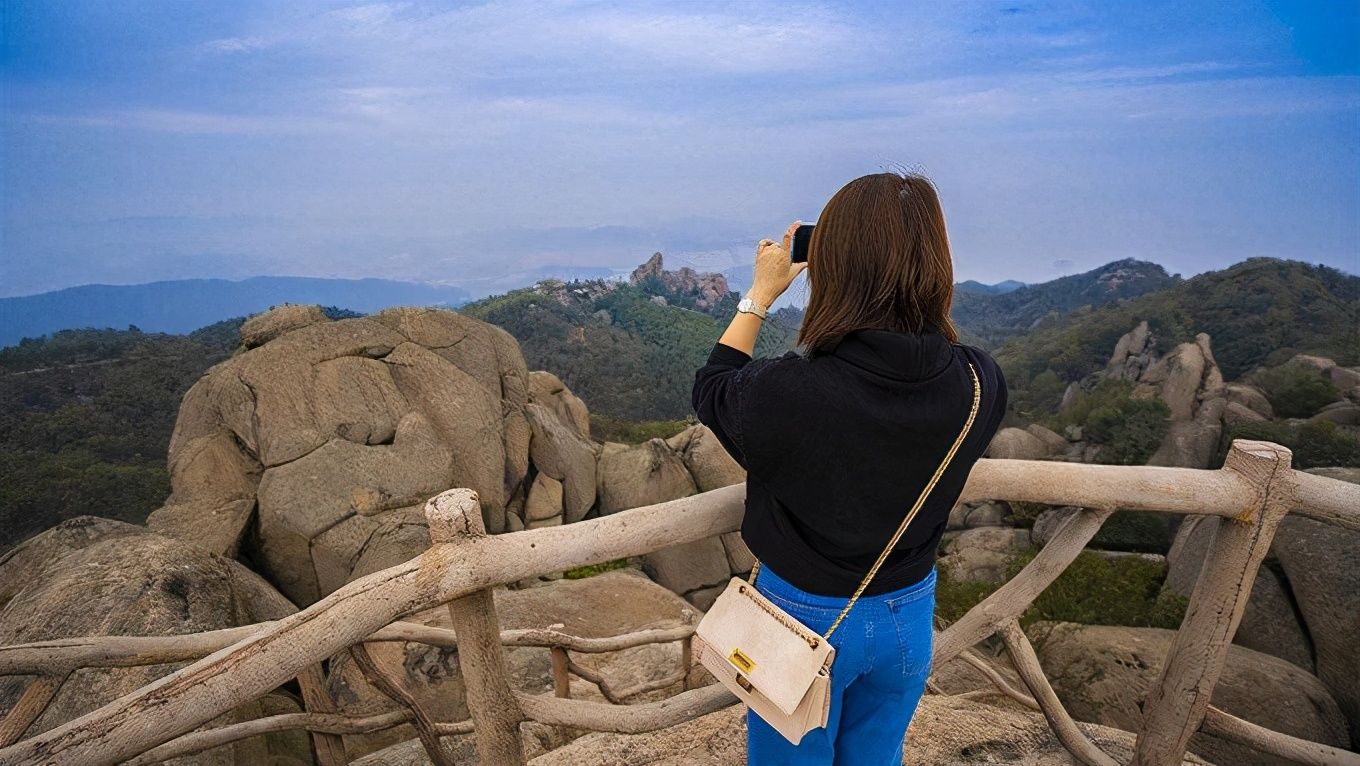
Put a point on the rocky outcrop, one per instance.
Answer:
(1188, 381)
(143, 584)
(1321, 563)
(559, 450)
(707, 289)
(313, 450)
(1133, 353)
(1103, 674)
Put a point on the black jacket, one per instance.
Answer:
(837, 446)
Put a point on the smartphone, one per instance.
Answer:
(802, 238)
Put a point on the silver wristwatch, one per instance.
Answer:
(749, 306)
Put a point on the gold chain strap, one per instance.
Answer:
(796, 627)
(977, 397)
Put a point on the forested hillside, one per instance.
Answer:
(85, 420)
(991, 318)
(627, 355)
(86, 416)
(1261, 311)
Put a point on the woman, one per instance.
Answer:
(838, 443)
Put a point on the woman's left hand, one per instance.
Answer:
(775, 270)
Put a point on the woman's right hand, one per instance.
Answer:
(775, 270)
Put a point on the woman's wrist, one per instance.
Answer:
(761, 297)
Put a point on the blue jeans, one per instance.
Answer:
(883, 653)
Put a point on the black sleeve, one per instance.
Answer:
(1002, 398)
(717, 397)
(991, 376)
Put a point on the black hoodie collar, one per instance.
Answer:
(900, 356)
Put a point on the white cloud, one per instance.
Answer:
(234, 44)
(187, 122)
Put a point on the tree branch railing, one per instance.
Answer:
(1249, 495)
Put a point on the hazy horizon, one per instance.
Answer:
(443, 143)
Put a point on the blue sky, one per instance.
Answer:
(446, 142)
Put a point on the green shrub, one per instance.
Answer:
(953, 598)
(1139, 531)
(1093, 590)
(1025, 514)
(1315, 443)
(1139, 432)
(593, 569)
(606, 428)
(1295, 389)
(1128, 429)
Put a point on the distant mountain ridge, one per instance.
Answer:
(974, 286)
(85, 415)
(992, 318)
(181, 306)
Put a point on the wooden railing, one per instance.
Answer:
(1249, 496)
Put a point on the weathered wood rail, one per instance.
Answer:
(1249, 496)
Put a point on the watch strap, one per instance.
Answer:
(756, 307)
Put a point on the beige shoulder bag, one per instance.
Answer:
(771, 661)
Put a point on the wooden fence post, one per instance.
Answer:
(1175, 706)
(456, 516)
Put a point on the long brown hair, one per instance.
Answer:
(879, 258)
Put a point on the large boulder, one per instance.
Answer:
(312, 450)
(95, 577)
(1237, 414)
(1251, 397)
(982, 554)
(1188, 380)
(558, 450)
(1175, 378)
(642, 474)
(1322, 564)
(1342, 413)
(1018, 444)
(262, 328)
(1103, 674)
(709, 463)
(1270, 621)
(1192, 443)
(1344, 377)
(1053, 441)
(548, 390)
